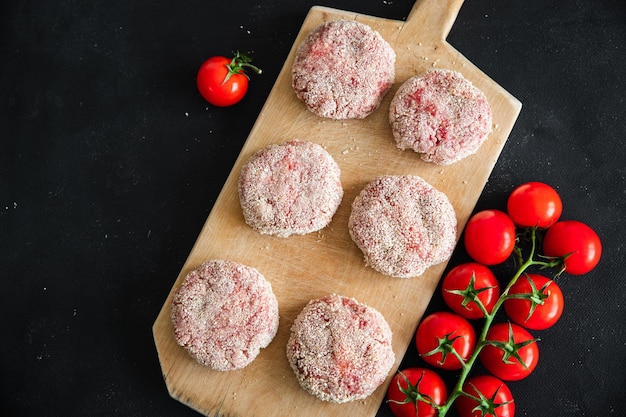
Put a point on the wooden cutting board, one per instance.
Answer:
(301, 268)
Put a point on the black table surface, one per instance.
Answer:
(110, 163)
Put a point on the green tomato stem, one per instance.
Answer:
(238, 64)
(481, 306)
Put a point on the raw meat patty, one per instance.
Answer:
(343, 69)
(290, 188)
(224, 313)
(402, 225)
(339, 349)
(440, 115)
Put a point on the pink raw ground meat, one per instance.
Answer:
(343, 69)
(402, 225)
(340, 350)
(290, 188)
(224, 313)
(440, 115)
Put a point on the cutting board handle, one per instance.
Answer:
(432, 17)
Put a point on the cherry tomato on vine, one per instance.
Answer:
(491, 398)
(511, 353)
(534, 204)
(440, 333)
(467, 282)
(490, 237)
(223, 81)
(413, 391)
(535, 302)
(577, 239)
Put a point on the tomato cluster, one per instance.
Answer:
(531, 301)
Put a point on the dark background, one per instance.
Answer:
(110, 163)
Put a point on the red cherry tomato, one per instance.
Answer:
(490, 237)
(491, 398)
(467, 282)
(223, 81)
(534, 204)
(441, 331)
(413, 391)
(577, 239)
(515, 356)
(536, 303)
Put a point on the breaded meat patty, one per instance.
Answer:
(403, 225)
(440, 115)
(339, 349)
(224, 313)
(343, 69)
(290, 188)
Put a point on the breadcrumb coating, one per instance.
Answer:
(340, 350)
(403, 225)
(343, 69)
(440, 115)
(290, 188)
(224, 313)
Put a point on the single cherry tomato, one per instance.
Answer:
(575, 240)
(490, 397)
(223, 81)
(534, 204)
(439, 333)
(534, 301)
(466, 283)
(413, 392)
(511, 352)
(490, 237)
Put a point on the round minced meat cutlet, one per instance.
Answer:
(224, 313)
(343, 69)
(440, 115)
(403, 225)
(290, 188)
(340, 350)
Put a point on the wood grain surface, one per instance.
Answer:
(301, 268)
